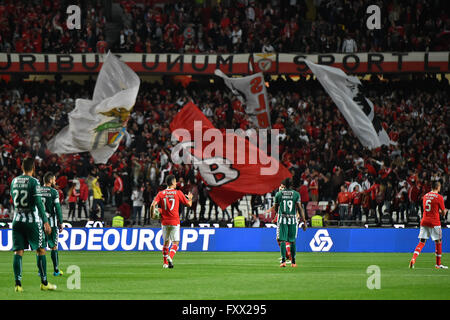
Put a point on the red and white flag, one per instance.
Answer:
(227, 162)
(252, 93)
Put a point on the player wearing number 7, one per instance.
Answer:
(430, 226)
(29, 223)
(168, 202)
(288, 206)
(50, 198)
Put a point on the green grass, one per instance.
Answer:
(231, 276)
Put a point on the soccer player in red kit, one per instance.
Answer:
(430, 226)
(168, 202)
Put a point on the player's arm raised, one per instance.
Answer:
(186, 200)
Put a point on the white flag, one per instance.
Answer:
(252, 93)
(98, 125)
(347, 93)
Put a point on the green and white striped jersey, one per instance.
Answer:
(26, 198)
(50, 198)
(287, 210)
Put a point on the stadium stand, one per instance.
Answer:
(32, 112)
(228, 27)
(315, 140)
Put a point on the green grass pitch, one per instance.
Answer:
(230, 276)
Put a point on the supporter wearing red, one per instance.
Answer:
(314, 187)
(117, 189)
(82, 198)
(73, 195)
(343, 201)
(384, 172)
(355, 201)
(413, 197)
(372, 192)
(430, 225)
(62, 181)
(304, 195)
(102, 45)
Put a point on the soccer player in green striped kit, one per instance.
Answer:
(50, 198)
(288, 207)
(29, 223)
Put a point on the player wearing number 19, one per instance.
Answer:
(168, 201)
(50, 197)
(288, 206)
(29, 223)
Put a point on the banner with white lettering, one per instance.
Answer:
(232, 239)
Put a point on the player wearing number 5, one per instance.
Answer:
(288, 207)
(29, 223)
(430, 226)
(168, 202)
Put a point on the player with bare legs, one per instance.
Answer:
(430, 226)
(275, 220)
(168, 202)
(288, 207)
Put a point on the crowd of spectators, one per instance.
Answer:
(316, 144)
(231, 26)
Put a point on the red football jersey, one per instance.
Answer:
(344, 197)
(432, 202)
(355, 198)
(169, 202)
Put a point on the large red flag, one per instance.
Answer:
(230, 170)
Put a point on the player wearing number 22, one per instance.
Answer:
(168, 202)
(29, 223)
(430, 226)
(288, 206)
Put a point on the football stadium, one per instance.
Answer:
(224, 150)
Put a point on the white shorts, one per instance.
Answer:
(171, 233)
(426, 232)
